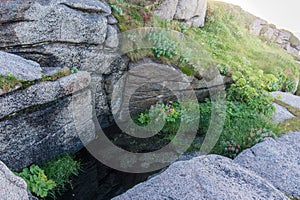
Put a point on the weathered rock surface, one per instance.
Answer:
(190, 12)
(54, 118)
(167, 9)
(150, 82)
(205, 177)
(19, 67)
(277, 161)
(63, 33)
(11, 186)
(288, 98)
(284, 38)
(42, 93)
(281, 114)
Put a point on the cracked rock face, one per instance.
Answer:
(46, 120)
(277, 161)
(63, 33)
(282, 37)
(205, 177)
(190, 12)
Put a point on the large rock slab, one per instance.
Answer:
(190, 12)
(63, 33)
(11, 186)
(148, 84)
(16, 66)
(270, 32)
(281, 114)
(205, 177)
(37, 21)
(277, 161)
(55, 118)
(43, 92)
(287, 98)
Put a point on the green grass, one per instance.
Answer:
(60, 171)
(10, 82)
(256, 66)
(242, 129)
(225, 37)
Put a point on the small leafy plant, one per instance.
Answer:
(172, 114)
(290, 85)
(37, 181)
(163, 45)
(117, 9)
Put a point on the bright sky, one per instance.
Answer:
(283, 13)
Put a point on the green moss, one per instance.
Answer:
(294, 41)
(290, 125)
(294, 198)
(291, 109)
(10, 82)
(61, 73)
(7, 83)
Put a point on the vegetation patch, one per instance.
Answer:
(60, 171)
(10, 82)
(37, 181)
(226, 43)
(243, 128)
(53, 177)
(255, 66)
(289, 125)
(292, 124)
(225, 37)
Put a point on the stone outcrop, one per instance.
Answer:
(277, 161)
(190, 12)
(284, 38)
(63, 33)
(46, 120)
(205, 177)
(81, 34)
(287, 98)
(11, 186)
(154, 83)
(282, 114)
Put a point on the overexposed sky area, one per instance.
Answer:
(283, 13)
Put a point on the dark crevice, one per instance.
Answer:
(14, 21)
(49, 43)
(84, 10)
(253, 152)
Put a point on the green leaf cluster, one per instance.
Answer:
(37, 181)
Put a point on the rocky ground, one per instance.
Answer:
(269, 170)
